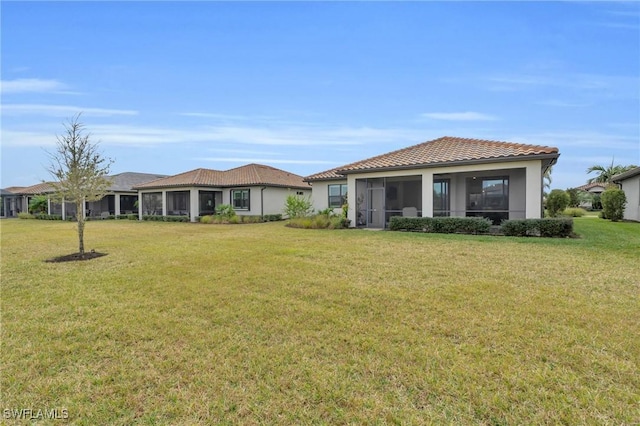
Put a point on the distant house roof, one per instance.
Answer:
(626, 175)
(593, 187)
(12, 190)
(128, 180)
(121, 182)
(38, 188)
(248, 175)
(443, 151)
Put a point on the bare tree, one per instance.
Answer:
(80, 171)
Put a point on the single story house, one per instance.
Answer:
(593, 189)
(11, 201)
(449, 176)
(629, 182)
(120, 199)
(253, 189)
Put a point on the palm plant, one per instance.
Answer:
(606, 173)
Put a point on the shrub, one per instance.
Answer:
(38, 204)
(319, 221)
(547, 227)
(441, 225)
(574, 197)
(225, 211)
(328, 212)
(557, 201)
(574, 212)
(272, 217)
(25, 215)
(613, 202)
(132, 216)
(176, 218)
(596, 203)
(297, 206)
(44, 216)
(206, 219)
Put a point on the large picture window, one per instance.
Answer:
(240, 198)
(337, 196)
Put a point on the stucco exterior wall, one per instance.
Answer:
(320, 194)
(631, 188)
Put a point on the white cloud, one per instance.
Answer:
(603, 86)
(61, 110)
(581, 140)
(564, 104)
(459, 116)
(29, 85)
(260, 160)
(227, 136)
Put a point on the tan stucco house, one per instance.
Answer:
(121, 198)
(253, 189)
(629, 182)
(449, 176)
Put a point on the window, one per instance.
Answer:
(179, 200)
(441, 197)
(488, 197)
(207, 203)
(152, 203)
(240, 199)
(337, 196)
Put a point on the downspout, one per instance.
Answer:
(262, 202)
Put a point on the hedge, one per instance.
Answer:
(441, 225)
(159, 218)
(547, 227)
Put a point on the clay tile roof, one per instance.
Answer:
(248, 175)
(39, 188)
(14, 189)
(442, 151)
(589, 186)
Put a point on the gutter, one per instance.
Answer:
(262, 202)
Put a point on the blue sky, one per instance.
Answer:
(167, 87)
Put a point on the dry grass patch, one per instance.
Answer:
(192, 324)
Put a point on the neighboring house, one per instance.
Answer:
(120, 199)
(629, 182)
(11, 201)
(593, 189)
(253, 189)
(448, 176)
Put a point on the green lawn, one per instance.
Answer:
(263, 324)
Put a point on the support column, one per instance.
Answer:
(164, 203)
(117, 204)
(427, 194)
(352, 197)
(194, 204)
(533, 201)
(140, 207)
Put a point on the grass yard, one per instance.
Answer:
(263, 324)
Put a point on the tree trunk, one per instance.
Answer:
(80, 218)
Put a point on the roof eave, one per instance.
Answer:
(628, 174)
(553, 157)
